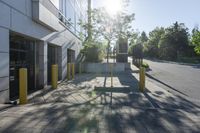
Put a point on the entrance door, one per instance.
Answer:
(21, 56)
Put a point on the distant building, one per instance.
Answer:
(122, 50)
(36, 34)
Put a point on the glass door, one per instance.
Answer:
(21, 56)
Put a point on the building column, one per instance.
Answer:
(42, 59)
(4, 65)
(60, 69)
(63, 61)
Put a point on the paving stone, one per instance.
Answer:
(76, 107)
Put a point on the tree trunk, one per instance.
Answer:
(108, 51)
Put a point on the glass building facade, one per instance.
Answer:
(74, 12)
(36, 34)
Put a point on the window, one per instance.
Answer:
(74, 11)
(70, 12)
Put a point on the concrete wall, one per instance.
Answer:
(16, 17)
(103, 67)
(56, 3)
(42, 67)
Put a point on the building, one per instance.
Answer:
(36, 34)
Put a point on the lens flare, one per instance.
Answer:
(113, 6)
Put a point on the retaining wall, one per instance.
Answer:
(104, 67)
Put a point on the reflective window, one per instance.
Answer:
(74, 12)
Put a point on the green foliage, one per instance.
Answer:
(197, 49)
(167, 49)
(145, 65)
(101, 26)
(174, 41)
(137, 50)
(143, 38)
(94, 52)
(167, 43)
(151, 47)
(196, 41)
(192, 60)
(136, 41)
(123, 24)
(110, 28)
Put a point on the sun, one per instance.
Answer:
(113, 6)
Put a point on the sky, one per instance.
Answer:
(152, 13)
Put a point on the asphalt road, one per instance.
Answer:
(180, 78)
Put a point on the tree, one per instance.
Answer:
(137, 53)
(174, 42)
(133, 41)
(167, 48)
(196, 40)
(143, 37)
(124, 25)
(94, 52)
(111, 28)
(151, 48)
(101, 26)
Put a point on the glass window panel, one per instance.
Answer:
(70, 12)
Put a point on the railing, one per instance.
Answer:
(65, 21)
(68, 24)
(54, 10)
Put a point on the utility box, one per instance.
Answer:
(122, 50)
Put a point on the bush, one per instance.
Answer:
(145, 65)
(193, 60)
(93, 52)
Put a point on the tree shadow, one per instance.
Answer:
(129, 111)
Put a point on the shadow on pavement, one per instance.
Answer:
(78, 106)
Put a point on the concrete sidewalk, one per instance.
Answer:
(87, 104)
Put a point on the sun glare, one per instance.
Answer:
(113, 6)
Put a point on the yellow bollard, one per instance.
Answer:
(23, 86)
(73, 70)
(142, 79)
(111, 74)
(54, 76)
(80, 69)
(68, 71)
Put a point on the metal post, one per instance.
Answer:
(142, 79)
(54, 76)
(68, 71)
(23, 86)
(111, 74)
